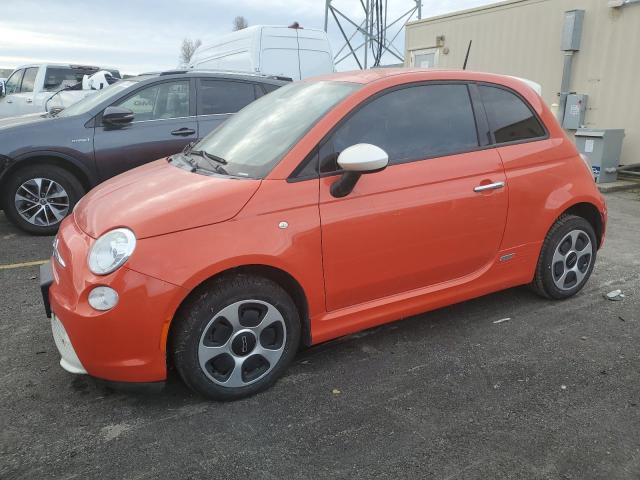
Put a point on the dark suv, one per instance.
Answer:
(47, 162)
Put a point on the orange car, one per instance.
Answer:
(326, 207)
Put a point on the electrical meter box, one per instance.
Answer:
(572, 30)
(602, 147)
(574, 111)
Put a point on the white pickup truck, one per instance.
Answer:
(33, 88)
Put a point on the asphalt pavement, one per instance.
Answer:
(552, 393)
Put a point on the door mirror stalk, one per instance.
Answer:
(355, 161)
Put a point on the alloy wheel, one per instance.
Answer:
(571, 260)
(42, 202)
(242, 343)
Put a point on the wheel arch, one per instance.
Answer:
(290, 284)
(591, 214)
(69, 163)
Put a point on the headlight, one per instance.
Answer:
(111, 250)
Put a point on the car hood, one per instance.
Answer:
(23, 119)
(160, 198)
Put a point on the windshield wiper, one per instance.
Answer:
(210, 159)
(204, 153)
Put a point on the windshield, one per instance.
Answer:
(253, 141)
(91, 100)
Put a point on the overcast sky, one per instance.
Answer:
(144, 35)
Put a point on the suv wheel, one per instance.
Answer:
(236, 337)
(38, 198)
(567, 258)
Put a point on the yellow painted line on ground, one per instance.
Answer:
(23, 264)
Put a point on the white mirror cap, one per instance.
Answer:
(363, 157)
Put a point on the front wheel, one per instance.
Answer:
(37, 198)
(567, 258)
(235, 337)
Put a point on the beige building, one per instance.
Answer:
(523, 38)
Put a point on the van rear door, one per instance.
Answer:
(279, 52)
(315, 53)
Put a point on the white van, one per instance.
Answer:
(270, 50)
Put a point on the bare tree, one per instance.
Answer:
(240, 23)
(187, 50)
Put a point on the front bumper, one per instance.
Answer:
(124, 344)
(68, 358)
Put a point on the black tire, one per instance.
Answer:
(62, 177)
(543, 283)
(195, 316)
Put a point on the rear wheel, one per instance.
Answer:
(236, 337)
(567, 258)
(39, 197)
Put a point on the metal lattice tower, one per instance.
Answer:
(373, 34)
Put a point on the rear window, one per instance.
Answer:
(511, 119)
(62, 77)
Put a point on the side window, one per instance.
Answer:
(160, 101)
(268, 87)
(13, 84)
(413, 123)
(510, 118)
(221, 96)
(29, 80)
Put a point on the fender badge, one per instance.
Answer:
(283, 225)
(507, 257)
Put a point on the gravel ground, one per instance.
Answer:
(552, 393)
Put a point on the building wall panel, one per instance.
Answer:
(522, 38)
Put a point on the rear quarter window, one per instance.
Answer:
(222, 96)
(510, 118)
(268, 87)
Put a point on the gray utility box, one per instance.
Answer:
(602, 147)
(572, 30)
(574, 111)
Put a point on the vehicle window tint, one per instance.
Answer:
(510, 118)
(29, 80)
(268, 87)
(411, 124)
(13, 84)
(219, 96)
(61, 77)
(161, 101)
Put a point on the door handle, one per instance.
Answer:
(183, 132)
(9, 101)
(29, 100)
(489, 186)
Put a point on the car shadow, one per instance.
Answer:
(450, 321)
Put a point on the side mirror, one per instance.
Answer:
(117, 116)
(55, 110)
(357, 160)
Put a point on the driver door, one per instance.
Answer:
(419, 222)
(164, 124)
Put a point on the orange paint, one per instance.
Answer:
(408, 239)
